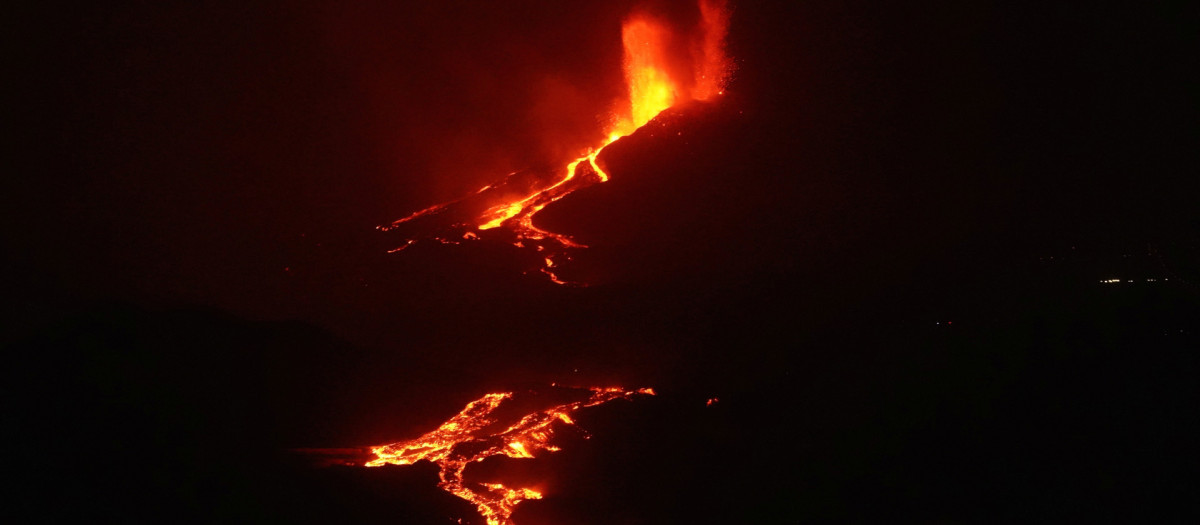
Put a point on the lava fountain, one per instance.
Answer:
(663, 66)
(475, 434)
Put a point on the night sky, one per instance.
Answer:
(882, 250)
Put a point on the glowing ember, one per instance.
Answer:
(656, 80)
(470, 437)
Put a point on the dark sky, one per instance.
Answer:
(193, 190)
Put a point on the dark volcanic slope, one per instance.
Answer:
(875, 370)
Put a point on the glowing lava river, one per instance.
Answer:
(477, 433)
(663, 66)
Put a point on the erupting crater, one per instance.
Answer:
(664, 65)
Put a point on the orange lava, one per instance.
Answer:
(656, 79)
(470, 437)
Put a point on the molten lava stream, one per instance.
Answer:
(658, 74)
(651, 90)
(471, 437)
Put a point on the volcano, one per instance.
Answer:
(664, 65)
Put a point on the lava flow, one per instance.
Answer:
(663, 67)
(473, 436)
